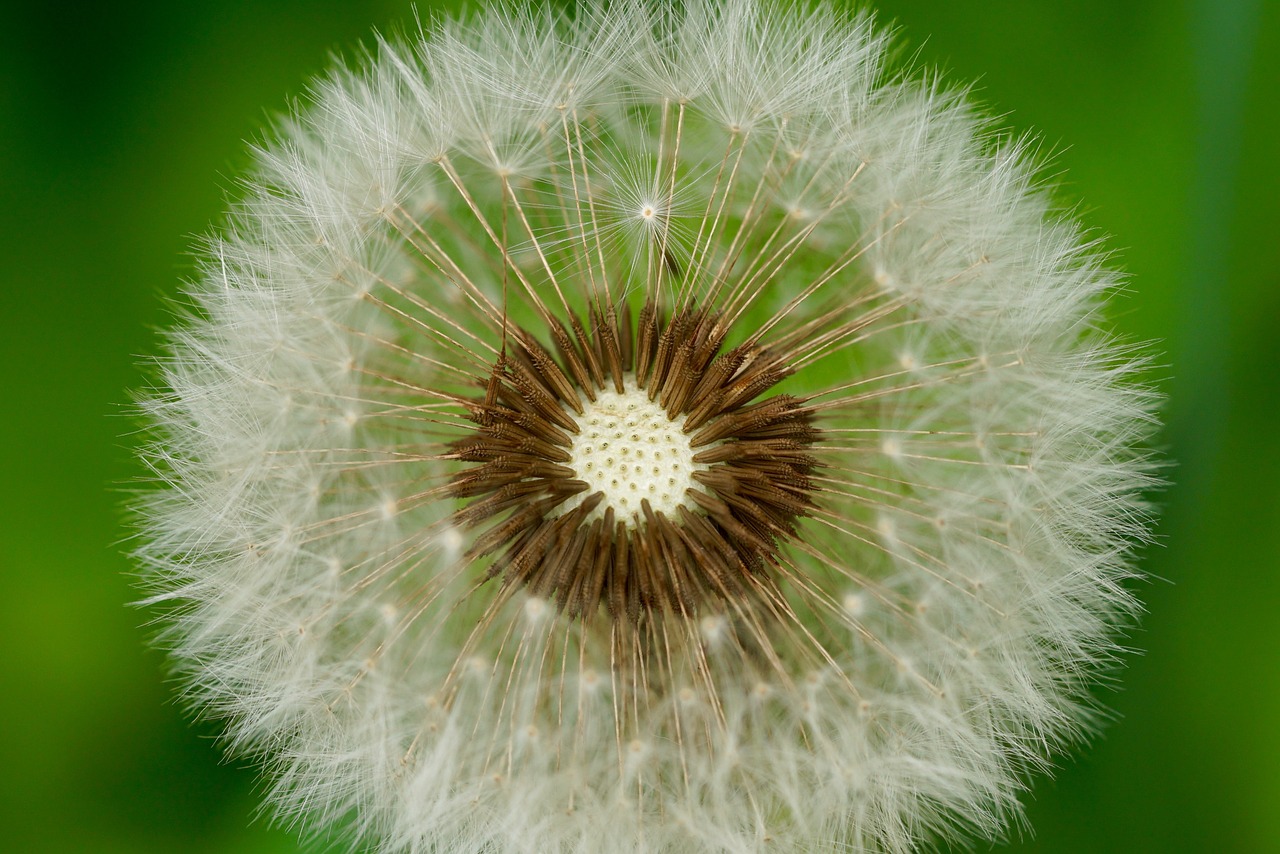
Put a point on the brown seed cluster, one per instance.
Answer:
(753, 466)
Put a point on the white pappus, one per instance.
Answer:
(645, 429)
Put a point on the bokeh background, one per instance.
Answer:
(121, 129)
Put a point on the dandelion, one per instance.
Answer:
(645, 431)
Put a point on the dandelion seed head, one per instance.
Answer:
(645, 430)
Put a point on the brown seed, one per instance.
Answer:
(750, 463)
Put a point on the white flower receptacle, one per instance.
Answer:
(628, 448)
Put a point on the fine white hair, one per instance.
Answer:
(931, 628)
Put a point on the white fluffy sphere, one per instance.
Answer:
(906, 462)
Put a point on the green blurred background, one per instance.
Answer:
(120, 134)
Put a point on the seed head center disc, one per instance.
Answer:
(629, 449)
(637, 468)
